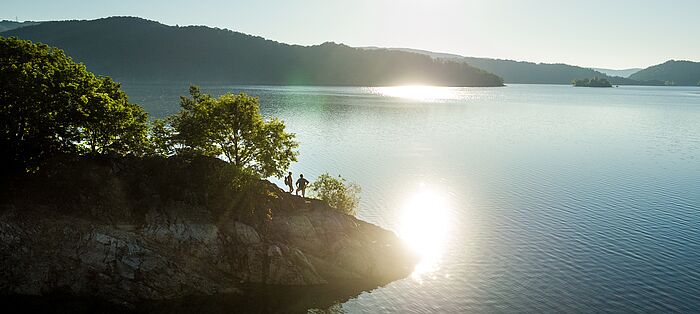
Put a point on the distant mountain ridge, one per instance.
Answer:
(523, 72)
(6, 25)
(135, 49)
(676, 72)
(621, 73)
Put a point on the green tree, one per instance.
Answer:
(592, 82)
(232, 126)
(337, 192)
(161, 138)
(41, 90)
(109, 123)
(51, 105)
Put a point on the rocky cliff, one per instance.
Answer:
(131, 229)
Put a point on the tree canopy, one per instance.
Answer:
(110, 123)
(592, 82)
(51, 105)
(232, 126)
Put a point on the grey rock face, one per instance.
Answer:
(168, 258)
(133, 230)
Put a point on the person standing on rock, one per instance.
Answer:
(289, 181)
(301, 185)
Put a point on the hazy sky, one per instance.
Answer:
(593, 33)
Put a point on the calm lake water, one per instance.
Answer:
(526, 198)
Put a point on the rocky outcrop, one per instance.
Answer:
(124, 241)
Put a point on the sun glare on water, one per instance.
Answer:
(417, 92)
(425, 225)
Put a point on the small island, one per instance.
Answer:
(592, 82)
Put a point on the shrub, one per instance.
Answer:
(337, 192)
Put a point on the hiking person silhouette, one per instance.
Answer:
(289, 181)
(301, 185)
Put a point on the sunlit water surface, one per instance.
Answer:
(526, 198)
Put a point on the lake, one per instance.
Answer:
(525, 198)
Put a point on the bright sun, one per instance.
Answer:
(424, 226)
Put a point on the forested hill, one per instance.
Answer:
(536, 73)
(6, 25)
(549, 73)
(524, 72)
(134, 49)
(621, 72)
(675, 72)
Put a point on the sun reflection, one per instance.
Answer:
(425, 226)
(418, 92)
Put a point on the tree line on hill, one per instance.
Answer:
(674, 72)
(142, 50)
(523, 72)
(135, 49)
(546, 73)
(6, 25)
(592, 82)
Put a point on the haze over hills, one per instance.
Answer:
(523, 72)
(678, 72)
(135, 49)
(621, 73)
(442, 55)
(544, 73)
(6, 25)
